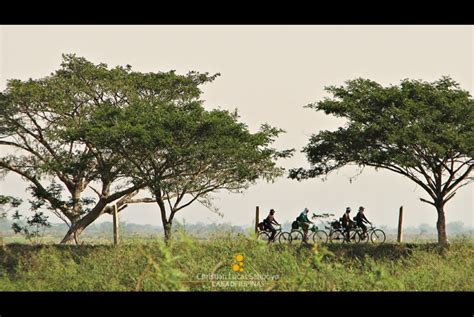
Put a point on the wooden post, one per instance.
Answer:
(257, 210)
(116, 226)
(400, 224)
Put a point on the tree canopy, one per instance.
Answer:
(114, 132)
(183, 152)
(40, 119)
(423, 131)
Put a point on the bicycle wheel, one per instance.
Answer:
(263, 236)
(320, 236)
(354, 237)
(336, 236)
(296, 236)
(357, 237)
(377, 236)
(284, 237)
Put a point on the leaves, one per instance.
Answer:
(43, 120)
(180, 150)
(10, 202)
(89, 123)
(421, 130)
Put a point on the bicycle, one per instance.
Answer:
(376, 236)
(338, 234)
(280, 236)
(314, 234)
(318, 236)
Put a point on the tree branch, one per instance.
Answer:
(427, 201)
(460, 179)
(119, 194)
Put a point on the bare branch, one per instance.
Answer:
(95, 190)
(449, 197)
(120, 194)
(399, 170)
(141, 200)
(38, 185)
(460, 179)
(427, 201)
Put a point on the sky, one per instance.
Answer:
(269, 73)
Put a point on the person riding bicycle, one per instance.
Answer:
(347, 223)
(360, 220)
(267, 222)
(304, 222)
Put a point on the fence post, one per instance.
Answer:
(257, 211)
(116, 225)
(400, 224)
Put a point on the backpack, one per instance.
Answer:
(295, 225)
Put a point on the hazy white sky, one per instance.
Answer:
(269, 73)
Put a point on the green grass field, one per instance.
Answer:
(236, 263)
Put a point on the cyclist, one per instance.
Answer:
(347, 222)
(268, 222)
(304, 222)
(360, 220)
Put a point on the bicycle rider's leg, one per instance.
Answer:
(364, 227)
(305, 230)
(273, 230)
(347, 233)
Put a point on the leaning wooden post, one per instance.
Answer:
(257, 210)
(400, 224)
(116, 225)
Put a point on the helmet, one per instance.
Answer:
(348, 209)
(272, 211)
(361, 208)
(306, 210)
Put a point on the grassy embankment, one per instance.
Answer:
(188, 264)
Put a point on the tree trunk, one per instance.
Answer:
(441, 226)
(167, 229)
(79, 226)
(166, 224)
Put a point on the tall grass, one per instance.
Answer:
(187, 264)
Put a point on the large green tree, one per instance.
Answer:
(423, 131)
(183, 153)
(40, 135)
